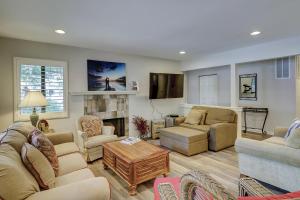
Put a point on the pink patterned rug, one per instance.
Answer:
(174, 181)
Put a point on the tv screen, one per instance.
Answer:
(166, 86)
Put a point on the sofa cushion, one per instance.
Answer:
(195, 116)
(276, 140)
(217, 115)
(43, 144)
(70, 163)
(15, 182)
(66, 148)
(72, 177)
(91, 125)
(23, 128)
(269, 151)
(38, 165)
(15, 139)
(99, 140)
(294, 139)
(183, 134)
(204, 128)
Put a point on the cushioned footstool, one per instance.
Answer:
(184, 140)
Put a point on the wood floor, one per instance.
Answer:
(222, 165)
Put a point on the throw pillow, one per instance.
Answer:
(38, 165)
(15, 182)
(293, 140)
(195, 117)
(294, 125)
(91, 125)
(23, 128)
(14, 138)
(44, 145)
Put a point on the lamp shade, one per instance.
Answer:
(32, 99)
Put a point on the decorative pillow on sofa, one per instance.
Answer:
(13, 138)
(91, 125)
(195, 117)
(294, 125)
(15, 182)
(293, 140)
(44, 145)
(38, 165)
(23, 128)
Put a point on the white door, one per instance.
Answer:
(208, 86)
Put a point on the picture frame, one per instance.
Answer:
(248, 87)
(106, 76)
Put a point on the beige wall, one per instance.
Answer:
(138, 68)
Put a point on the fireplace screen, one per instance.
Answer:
(118, 123)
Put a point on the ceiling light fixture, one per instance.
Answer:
(58, 31)
(182, 52)
(255, 33)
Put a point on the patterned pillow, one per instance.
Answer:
(91, 125)
(38, 165)
(22, 127)
(44, 145)
(293, 126)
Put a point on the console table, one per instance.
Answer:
(255, 110)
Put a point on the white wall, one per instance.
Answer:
(264, 51)
(279, 95)
(137, 67)
(223, 73)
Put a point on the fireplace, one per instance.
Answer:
(112, 109)
(118, 123)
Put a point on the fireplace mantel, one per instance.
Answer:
(85, 93)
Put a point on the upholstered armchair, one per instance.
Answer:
(92, 134)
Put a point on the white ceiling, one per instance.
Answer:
(158, 28)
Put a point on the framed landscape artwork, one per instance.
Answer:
(106, 76)
(248, 87)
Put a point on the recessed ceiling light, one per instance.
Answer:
(58, 31)
(255, 33)
(182, 52)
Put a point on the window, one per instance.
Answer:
(50, 77)
(282, 68)
(208, 86)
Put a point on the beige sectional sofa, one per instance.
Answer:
(271, 161)
(218, 129)
(75, 180)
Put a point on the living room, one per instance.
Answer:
(137, 105)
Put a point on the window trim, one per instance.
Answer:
(289, 67)
(32, 61)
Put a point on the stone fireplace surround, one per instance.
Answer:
(108, 107)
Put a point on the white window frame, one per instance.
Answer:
(18, 61)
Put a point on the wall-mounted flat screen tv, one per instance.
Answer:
(166, 86)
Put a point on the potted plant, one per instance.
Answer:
(141, 125)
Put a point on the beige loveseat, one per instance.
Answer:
(270, 160)
(74, 181)
(219, 125)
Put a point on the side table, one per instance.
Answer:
(155, 126)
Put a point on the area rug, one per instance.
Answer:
(169, 185)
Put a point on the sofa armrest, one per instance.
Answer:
(60, 137)
(179, 120)
(222, 135)
(108, 130)
(91, 189)
(82, 138)
(280, 131)
(270, 151)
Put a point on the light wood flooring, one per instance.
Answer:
(222, 165)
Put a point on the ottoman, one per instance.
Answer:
(184, 140)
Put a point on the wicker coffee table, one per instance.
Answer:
(135, 163)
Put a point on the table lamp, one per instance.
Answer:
(33, 99)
